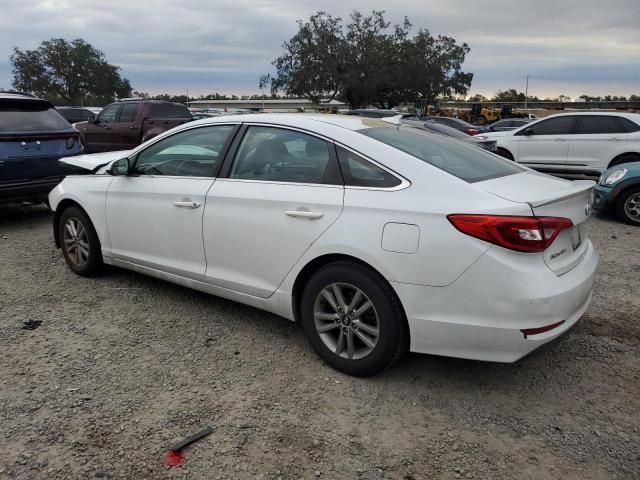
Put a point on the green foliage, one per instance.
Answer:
(368, 62)
(68, 73)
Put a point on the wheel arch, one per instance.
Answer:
(504, 149)
(316, 264)
(61, 207)
(616, 160)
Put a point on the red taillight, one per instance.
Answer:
(522, 234)
(472, 131)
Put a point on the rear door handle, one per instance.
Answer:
(560, 139)
(304, 214)
(614, 139)
(187, 204)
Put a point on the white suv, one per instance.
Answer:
(587, 142)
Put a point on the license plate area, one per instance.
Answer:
(577, 234)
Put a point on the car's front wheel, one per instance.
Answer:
(79, 242)
(353, 319)
(628, 206)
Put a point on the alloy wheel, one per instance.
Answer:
(632, 207)
(346, 321)
(76, 242)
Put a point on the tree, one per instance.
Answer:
(434, 66)
(368, 62)
(72, 71)
(313, 60)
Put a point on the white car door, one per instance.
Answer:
(598, 139)
(545, 144)
(154, 214)
(282, 192)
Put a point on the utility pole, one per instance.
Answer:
(526, 92)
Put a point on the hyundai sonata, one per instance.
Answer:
(377, 238)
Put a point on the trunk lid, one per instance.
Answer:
(552, 197)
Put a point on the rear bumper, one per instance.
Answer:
(480, 316)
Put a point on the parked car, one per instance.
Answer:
(378, 238)
(124, 125)
(507, 124)
(489, 145)
(585, 142)
(454, 123)
(33, 136)
(618, 192)
(78, 114)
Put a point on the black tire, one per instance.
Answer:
(393, 338)
(503, 152)
(631, 195)
(626, 158)
(91, 265)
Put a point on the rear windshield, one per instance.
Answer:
(461, 160)
(169, 110)
(23, 117)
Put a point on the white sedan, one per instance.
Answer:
(573, 143)
(377, 238)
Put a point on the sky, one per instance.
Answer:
(568, 47)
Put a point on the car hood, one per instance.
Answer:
(95, 161)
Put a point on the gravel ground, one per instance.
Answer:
(124, 365)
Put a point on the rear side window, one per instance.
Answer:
(628, 125)
(30, 117)
(128, 112)
(459, 159)
(593, 124)
(358, 172)
(280, 155)
(554, 126)
(169, 110)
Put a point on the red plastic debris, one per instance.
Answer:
(173, 458)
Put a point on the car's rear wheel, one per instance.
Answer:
(628, 206)
(79, 242)
(503, 152)
(353, 319)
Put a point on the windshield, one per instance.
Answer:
(461, 160)
(23, 117)
(451, 132)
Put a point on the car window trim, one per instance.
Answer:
(216, 169)
(332, 164)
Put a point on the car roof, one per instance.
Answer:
(349, 122)
(18, 96)
(630, 115)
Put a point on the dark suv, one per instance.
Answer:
(33, 136)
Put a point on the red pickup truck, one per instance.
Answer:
(126, 124)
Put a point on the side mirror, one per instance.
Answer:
(92, 119)
(528, 131)
(119, 167)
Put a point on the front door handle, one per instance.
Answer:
(614, 139)
(187, 204)
(560, 139)
(304, 214)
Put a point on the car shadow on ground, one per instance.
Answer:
(14, 214)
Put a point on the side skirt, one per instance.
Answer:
(279, 303)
